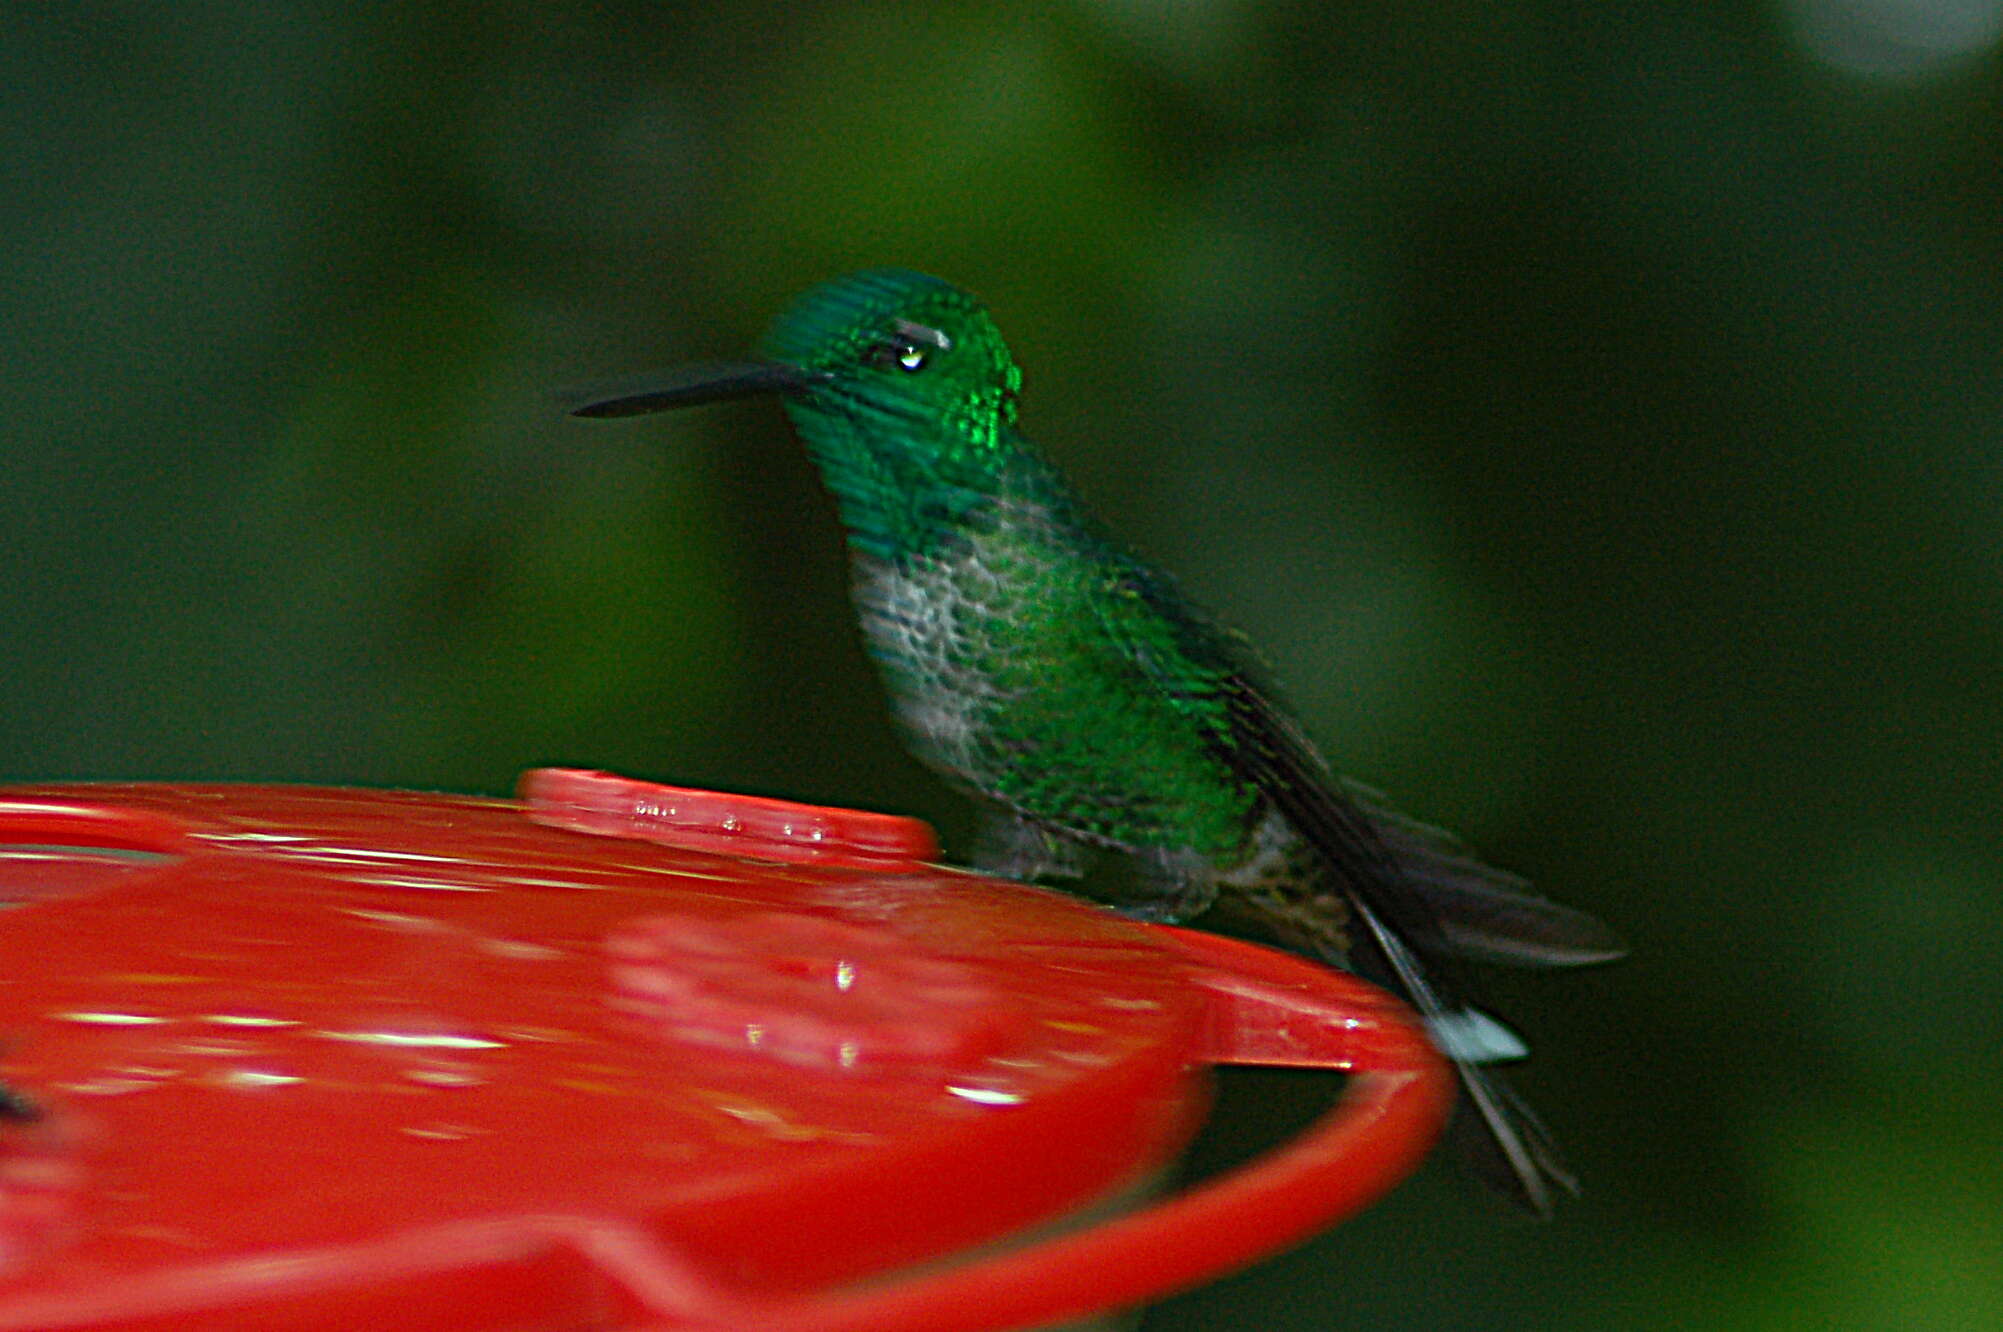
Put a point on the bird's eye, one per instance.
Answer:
(909, 356)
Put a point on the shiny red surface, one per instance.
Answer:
(754, 826)
(371, 1059)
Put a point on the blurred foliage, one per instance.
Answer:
(1594, 410)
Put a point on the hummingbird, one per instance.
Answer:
(1089, 707)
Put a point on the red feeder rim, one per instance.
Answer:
(323, 902)
(1269, 1009)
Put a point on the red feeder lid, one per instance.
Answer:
(617, 1056)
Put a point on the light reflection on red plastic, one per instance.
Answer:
(812, 993)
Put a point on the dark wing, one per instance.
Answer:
(1418, 897)
(1417, 878)
(1484, 913)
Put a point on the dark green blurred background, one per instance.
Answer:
(1593, 409)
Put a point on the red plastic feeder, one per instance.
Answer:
(622, 1056)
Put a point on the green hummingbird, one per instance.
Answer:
(1088, 706)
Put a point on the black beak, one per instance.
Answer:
(688, 386)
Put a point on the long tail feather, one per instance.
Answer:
(1503, 1143)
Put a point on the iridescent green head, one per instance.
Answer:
(900, 385)
(901, 344)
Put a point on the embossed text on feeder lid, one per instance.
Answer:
(760, 827)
